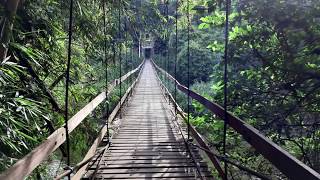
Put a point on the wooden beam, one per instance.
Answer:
(285, 162)
(194, 133)
(28, 163)
(104, 130)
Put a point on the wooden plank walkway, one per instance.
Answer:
(147, 145)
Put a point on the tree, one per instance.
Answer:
(10, 9)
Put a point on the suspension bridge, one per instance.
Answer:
(148, 136)
(151, 139)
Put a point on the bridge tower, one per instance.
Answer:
(148, 45)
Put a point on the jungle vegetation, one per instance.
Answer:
(274, 71)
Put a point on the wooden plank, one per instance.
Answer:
(133, 157)
(146, 137)
(149, 145)
(84, 112)
(146, 142)
(128, 157)
(148, 175)
(146, 156)
(146, 147)
(284, 161)
(149, 153)
(149, 170)
(176, 178)
(147, 161)
(148, 150)
(135, 166)
(144, 133)
(151, 140)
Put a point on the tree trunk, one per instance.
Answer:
(53, 85)
(7, 24)
(41, 85)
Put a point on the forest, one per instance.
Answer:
(273, 72)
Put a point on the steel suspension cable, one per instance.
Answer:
(125, 46)
(120, 53)
(126, 55)
(188, 66)
(176, 59)
(234, 163)
(106, 66)
(188, 83)
(67, 83)
(167, 38)
(131, 62)
(225, 79)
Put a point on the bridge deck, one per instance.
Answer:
(147, 145)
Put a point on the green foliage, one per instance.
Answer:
(20, 115)
(274, 71)
(217, 19)
(32, 78)
(273, 76)
(216, 47)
